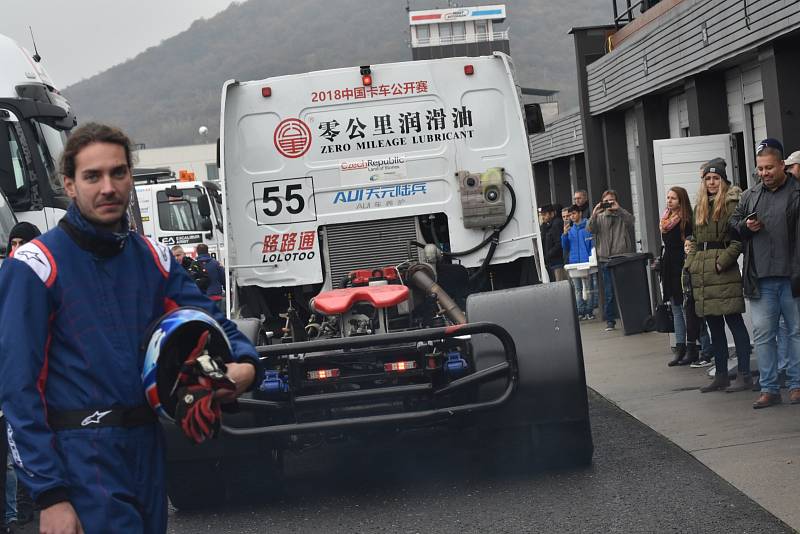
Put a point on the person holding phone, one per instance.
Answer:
(766, 219)
(613, 231)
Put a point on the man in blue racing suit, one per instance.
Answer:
(74, 306)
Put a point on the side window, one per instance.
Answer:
(445, 32)
(50, 143)
(423, 33)
(212, 172)
(481, 30)
(459, 31)
(13, 170)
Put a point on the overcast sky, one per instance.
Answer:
(79, 38)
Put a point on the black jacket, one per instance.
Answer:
(551, 243)
(747, 205)
(672, 263)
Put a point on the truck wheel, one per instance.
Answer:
(549, 412)
(194, 484)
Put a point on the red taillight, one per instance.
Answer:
(266, 92)
(399, 366)
(469, 70)
(322, 374)
(366, 79)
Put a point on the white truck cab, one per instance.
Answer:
(183, 213)
(34, 121)
(362, 167)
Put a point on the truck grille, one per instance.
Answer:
(367, 245)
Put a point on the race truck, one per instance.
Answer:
(34, 121)
(180, 212)
(382, 241)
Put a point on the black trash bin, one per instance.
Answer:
(632, 291)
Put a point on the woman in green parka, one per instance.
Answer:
(715, 276)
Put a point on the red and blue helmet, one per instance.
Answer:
(167, 344)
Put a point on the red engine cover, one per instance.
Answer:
(337, 301)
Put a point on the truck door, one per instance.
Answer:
(211, 211)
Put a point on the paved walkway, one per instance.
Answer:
(758, 451)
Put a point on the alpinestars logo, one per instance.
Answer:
(30, 255)
(95, 418)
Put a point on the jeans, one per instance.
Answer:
(705, 340)
(783, 345)
(776, 300)
(678, 322)
(719, 342)
(11, 491)
(610, 305)
(585, 306)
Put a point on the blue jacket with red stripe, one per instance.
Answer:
(74, 305)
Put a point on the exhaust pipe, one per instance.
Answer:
(423, 277)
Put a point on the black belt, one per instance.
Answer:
(125, 417)
(712, 245)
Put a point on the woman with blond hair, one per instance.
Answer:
(715, 277)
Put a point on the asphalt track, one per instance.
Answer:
(639, 482)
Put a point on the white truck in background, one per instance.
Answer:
(184, 213)
(34, 121)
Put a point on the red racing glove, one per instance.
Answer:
(196, 412)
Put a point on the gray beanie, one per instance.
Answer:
(718, 166)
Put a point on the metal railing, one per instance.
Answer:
(459, 39)
(620, 19)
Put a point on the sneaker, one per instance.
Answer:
(589, 317)
(702, 362)
(611, 325)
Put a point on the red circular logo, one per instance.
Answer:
(292, 138)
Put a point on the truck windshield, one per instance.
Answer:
(50, 143)
(179, 214)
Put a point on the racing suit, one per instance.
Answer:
(74, 306)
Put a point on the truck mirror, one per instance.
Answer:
(205, 224)
(174, 192)
(203, 206)
(533, 119)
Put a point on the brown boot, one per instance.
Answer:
(740, 384)
(720, 382)
(765, 400)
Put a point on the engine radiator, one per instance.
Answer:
(367, 245)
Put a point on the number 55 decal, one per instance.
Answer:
(284, 201)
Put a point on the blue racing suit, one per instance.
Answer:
(74, 306)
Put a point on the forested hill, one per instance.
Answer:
(165, 93)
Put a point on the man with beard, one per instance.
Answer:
(74, 307)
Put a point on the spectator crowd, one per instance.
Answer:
(702, 286)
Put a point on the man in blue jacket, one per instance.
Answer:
(216, 274)
(74, 306)
(577, 242)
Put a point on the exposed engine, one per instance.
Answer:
(400, 300)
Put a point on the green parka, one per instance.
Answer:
(716, 292)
